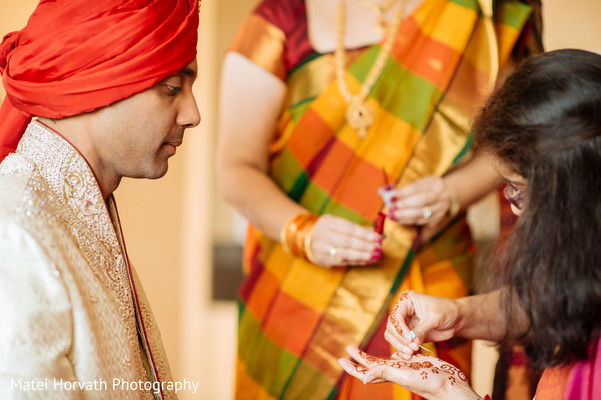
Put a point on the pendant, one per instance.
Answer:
(359, 116)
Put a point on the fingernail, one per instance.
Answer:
(393, 209)
(378, 240)
(394, 198)
(392, 217)
(378, 250)
(376, 257)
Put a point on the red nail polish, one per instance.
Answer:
(394, 198)
(378, 250)
(376, 257)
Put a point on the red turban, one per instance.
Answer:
(79, 55)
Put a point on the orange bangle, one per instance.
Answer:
(289, 231)
(303, 238)
(296, 235)
(308, 241)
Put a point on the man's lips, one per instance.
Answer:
(172, 145)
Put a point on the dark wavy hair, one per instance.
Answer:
(544, 124)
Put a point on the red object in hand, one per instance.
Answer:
(379, 224)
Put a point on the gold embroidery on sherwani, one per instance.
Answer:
(62, 193)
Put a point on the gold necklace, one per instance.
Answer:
(381, 9)
(358, 114)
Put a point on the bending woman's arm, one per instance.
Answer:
(431, 319)
(437, 318)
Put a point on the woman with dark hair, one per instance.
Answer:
(543, 130)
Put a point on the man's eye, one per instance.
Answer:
(173, 90)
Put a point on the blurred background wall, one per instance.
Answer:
(172, 224)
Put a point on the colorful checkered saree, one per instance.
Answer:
(296, 319)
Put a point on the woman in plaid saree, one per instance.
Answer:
(288, 148)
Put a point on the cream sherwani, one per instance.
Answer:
(72, 312)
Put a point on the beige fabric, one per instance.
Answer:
(67, 303)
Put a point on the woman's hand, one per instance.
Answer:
(428, 201)
(427, 376)
(337, 241)
(430, 318)
(432, 201)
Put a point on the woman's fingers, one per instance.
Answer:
(421, 214)
(356, 370)
(404, 346)
(428, 184)
(402, 319)
(423, 202)
(417, 318)
(337, 241)
(371, 369)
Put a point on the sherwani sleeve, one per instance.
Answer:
(36, 323)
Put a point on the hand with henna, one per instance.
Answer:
(427, 376)
(431, 319)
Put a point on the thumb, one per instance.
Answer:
(419, 333)
(377, 374)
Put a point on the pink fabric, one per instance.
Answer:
(579, 381)
(585, 378)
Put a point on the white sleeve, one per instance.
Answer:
(36, 323)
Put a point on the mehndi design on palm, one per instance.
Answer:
(420, 370)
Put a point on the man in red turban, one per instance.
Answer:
(96, 91)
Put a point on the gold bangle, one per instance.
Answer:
(308, 242)
(283, 233)
(304, 231)
(296, 233)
